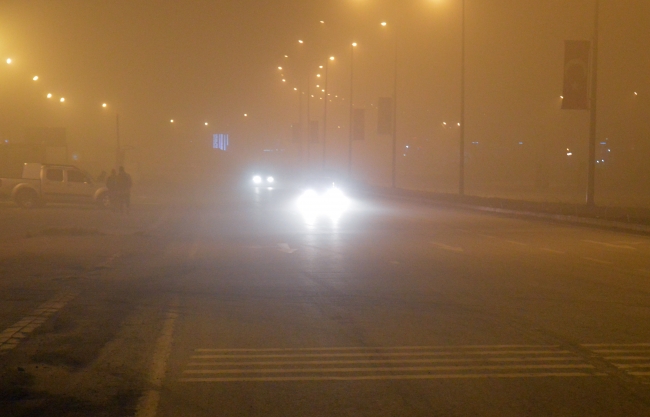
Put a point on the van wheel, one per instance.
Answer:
(27, 199)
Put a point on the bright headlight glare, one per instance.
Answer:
(270, 179)
(257, 179)
(332, 203)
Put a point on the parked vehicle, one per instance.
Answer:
(41, 184)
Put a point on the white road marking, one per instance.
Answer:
(447, 247)
(592, 345)
(284, 247)
(148, 404)
(375, 348)
(11, 336)
(598, 261)
(378, 361)
(624, 356)
(394, 377)
(385, 363)
(610, 245)
(558, 252)
(371, 354)
(388, 369)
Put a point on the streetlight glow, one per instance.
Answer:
(9, 61)
(35, 78)
(62, 99)
(280, 68)
(331, 58)
(383, 24)
(318, 75)
(206, 123)
(171, 121)
(300, 41)
(49, 95)
(354, 44)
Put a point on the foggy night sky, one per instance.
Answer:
(197, 61)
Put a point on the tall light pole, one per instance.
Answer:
(393, 176)
(461, 173)
(325, 111)
(308, 123)
(352, 46)
(593, 110)
(119, 158)
(394, 171)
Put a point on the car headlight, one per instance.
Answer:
(270, 180)
(257, 179)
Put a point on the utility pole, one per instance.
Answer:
(308, 125)
(591, 175)
(394, 170)
(325, 112)
(461, 171)
(351, 109)
(118, 150)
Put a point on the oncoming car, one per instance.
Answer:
(321, 196)
(263, 180)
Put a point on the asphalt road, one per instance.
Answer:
(237, 305)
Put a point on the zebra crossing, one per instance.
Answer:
(632, 358)
(384, 363)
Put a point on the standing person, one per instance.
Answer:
(113, 192)
(124, 184)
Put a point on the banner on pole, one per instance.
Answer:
(358, 124)
(576, 75)
(385, 116)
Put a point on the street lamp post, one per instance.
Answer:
(461, 173)
(593, 116)
(325, 111)
(394, 170)
(351, 108)
(393, 176)
(119, 158)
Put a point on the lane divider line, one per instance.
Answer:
(598, 261)
(148, 403)
(610, 245)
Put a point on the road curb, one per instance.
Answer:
(564, 218)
